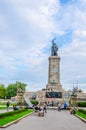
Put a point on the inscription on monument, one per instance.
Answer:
(53, 95)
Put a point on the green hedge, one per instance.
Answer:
(82, 111)
(11, 113)
(81, 104)
(35, 102)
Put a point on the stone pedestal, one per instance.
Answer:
(54, 74)
(73, 100)
(54, 91)
(40, 113)
(20, 96)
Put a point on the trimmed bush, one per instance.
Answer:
(82, 111)
(34, 102)
(11, 113)
(7, 118)
(81, 104)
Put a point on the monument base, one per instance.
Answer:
(51, 96)
(54, 87)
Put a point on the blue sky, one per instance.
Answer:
(26, 31)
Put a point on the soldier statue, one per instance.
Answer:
(74, 91)
(54, 48)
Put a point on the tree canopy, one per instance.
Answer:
(3, 91)
(12, 89)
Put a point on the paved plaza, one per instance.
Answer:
(53, 120)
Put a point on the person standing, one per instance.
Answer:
(52, 103)
(59, 106)
(45, 107)
(65, 105)
(8, 104)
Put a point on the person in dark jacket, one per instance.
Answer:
(8, 104)
(45, 107)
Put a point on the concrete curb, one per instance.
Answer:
(80, 118)
(13, 122)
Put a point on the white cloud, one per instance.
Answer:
(38, 16)
(28, 28)
(73, 63)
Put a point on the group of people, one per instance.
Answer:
(45, 106)
(60, 106)
(38, 108)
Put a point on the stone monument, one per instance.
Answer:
(54, 88)
(20, 96)
(53, 93)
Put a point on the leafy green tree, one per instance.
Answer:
(2, 91)
(12, 89)
(21, 85)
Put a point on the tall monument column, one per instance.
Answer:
(54, 70)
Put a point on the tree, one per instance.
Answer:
(2, 91)
(21, 85)
(12, 89)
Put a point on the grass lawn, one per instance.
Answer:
(7, 119)
(81, 114)
(2, 108)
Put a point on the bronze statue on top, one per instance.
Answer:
(54, 48)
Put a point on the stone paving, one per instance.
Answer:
(53, 120)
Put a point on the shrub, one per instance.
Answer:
(11, 113)
(81, 104)
(82, 111)
(34, 102)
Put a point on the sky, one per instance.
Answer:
(27, 28)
